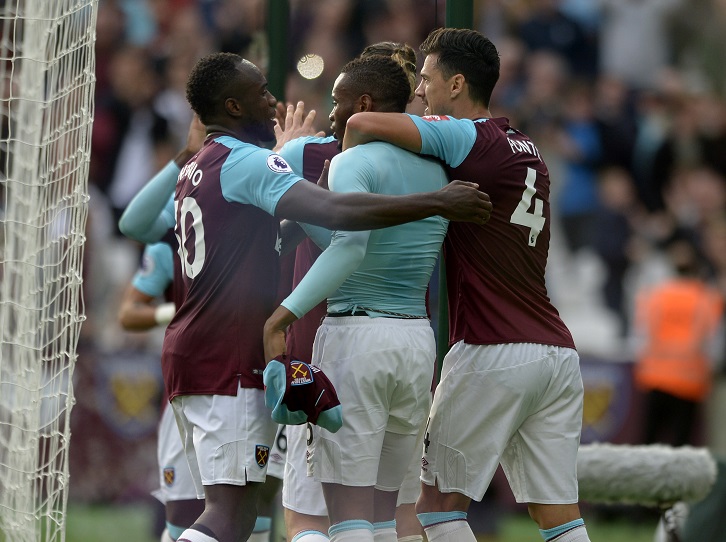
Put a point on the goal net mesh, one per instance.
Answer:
(46, 112)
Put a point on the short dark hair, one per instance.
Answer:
(208, 80)
(469, 53)
(401, 53)
(382, 78)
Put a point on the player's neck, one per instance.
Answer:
(216, 130)
(472, 111)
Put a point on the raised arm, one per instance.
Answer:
(143, 219)
(292, 122)
(396, 128)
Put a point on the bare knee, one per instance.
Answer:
(433, 500)
(184, 513)
(548, 516)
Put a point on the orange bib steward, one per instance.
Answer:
(679, 319)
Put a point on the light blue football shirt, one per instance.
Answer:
(380, 270)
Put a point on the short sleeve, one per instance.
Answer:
(156, 271)
(258, 178)
(446, 138)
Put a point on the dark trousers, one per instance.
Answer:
(668, 419)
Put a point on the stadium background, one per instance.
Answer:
(626, 101)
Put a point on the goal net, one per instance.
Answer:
(46, 111)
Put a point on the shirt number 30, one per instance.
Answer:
(190, 210)
(522, 215)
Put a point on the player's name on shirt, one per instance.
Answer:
(524, 146)
(190, 171)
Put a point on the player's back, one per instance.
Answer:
(229, 272)
(399, 261)
(496, 272)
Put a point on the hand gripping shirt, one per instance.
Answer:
(229, 248)
(496, 272)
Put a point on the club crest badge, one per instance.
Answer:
(300, 373)
(169, 476)
(262, 454)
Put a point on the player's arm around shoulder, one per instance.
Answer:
(396, 128)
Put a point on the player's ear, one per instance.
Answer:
(457, 84)
(232, 107)
(365, 103)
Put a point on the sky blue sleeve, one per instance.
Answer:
(446, 138)
(333, 266)
(292, 152)
(258, 178)
(146, 218)
(349, 172)
(318, 235)
(156, 271)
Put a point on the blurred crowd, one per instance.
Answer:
(626, 100)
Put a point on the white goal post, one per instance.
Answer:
(47, 80)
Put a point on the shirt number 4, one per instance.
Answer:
(522, 215)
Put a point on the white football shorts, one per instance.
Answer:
(382, 369)
(227, 438)
(518, 404)
(175, 479)
(276, 466)
(301, 493)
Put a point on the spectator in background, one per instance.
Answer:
(143, 139)
(633, 35)
(677, 322)
(617, 219)
(546, 77)
(549, 28)
(578, 143)
(616, 121)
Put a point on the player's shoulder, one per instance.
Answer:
(256, 159)
(299, 144)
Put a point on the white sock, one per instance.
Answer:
(450, 531)
(310, 536)
(192, 535)
(354, 535)
(385, 535)
(412, 538)
(354, 530)
(578, 534)
(166, 537)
